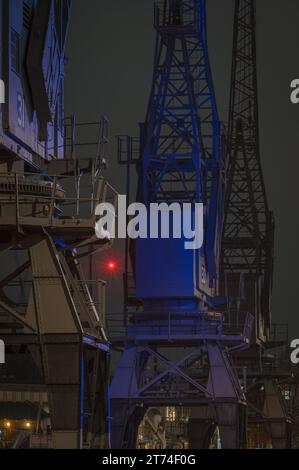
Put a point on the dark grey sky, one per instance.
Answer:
(110, 68)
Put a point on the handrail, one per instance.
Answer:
(239, 326)
(49, 190)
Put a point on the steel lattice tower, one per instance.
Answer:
(248, 233)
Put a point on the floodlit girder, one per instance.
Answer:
(182, 126)
(182, 159)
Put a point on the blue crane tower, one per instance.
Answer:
(178, 344)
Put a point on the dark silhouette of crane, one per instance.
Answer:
(248, 234)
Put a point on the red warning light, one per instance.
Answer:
(111, 266)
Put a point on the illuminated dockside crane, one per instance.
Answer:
(178, 344)
(53, 328)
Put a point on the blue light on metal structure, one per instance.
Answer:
(182, 159)
(177, 347)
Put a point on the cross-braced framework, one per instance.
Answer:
(248, 233)
(182, 120)
(171, 365)
(182, 159)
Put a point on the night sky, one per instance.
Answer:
(110, 51)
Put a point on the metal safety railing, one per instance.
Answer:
(175, 14)
(128, 150)
(173, 325)
(53, 197)
(88, 137)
